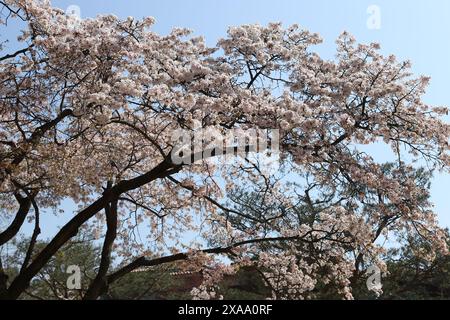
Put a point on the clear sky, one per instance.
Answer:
(416, 30)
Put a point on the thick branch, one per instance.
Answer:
(21, 282)
(33, 240)
(15, 54)
(3, 280)
(14, 227)
(100, 282)
(144, 262)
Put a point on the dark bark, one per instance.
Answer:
(145, 262)
(15, 54)
(16, 224)
(100, 283)
(33, 240)
(3, 280)
(22, 281)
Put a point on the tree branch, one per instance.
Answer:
(14, 227)
(100, 283)
(22, 281)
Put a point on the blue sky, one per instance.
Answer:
(415, 30)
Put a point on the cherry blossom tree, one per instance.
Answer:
(88, 113)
